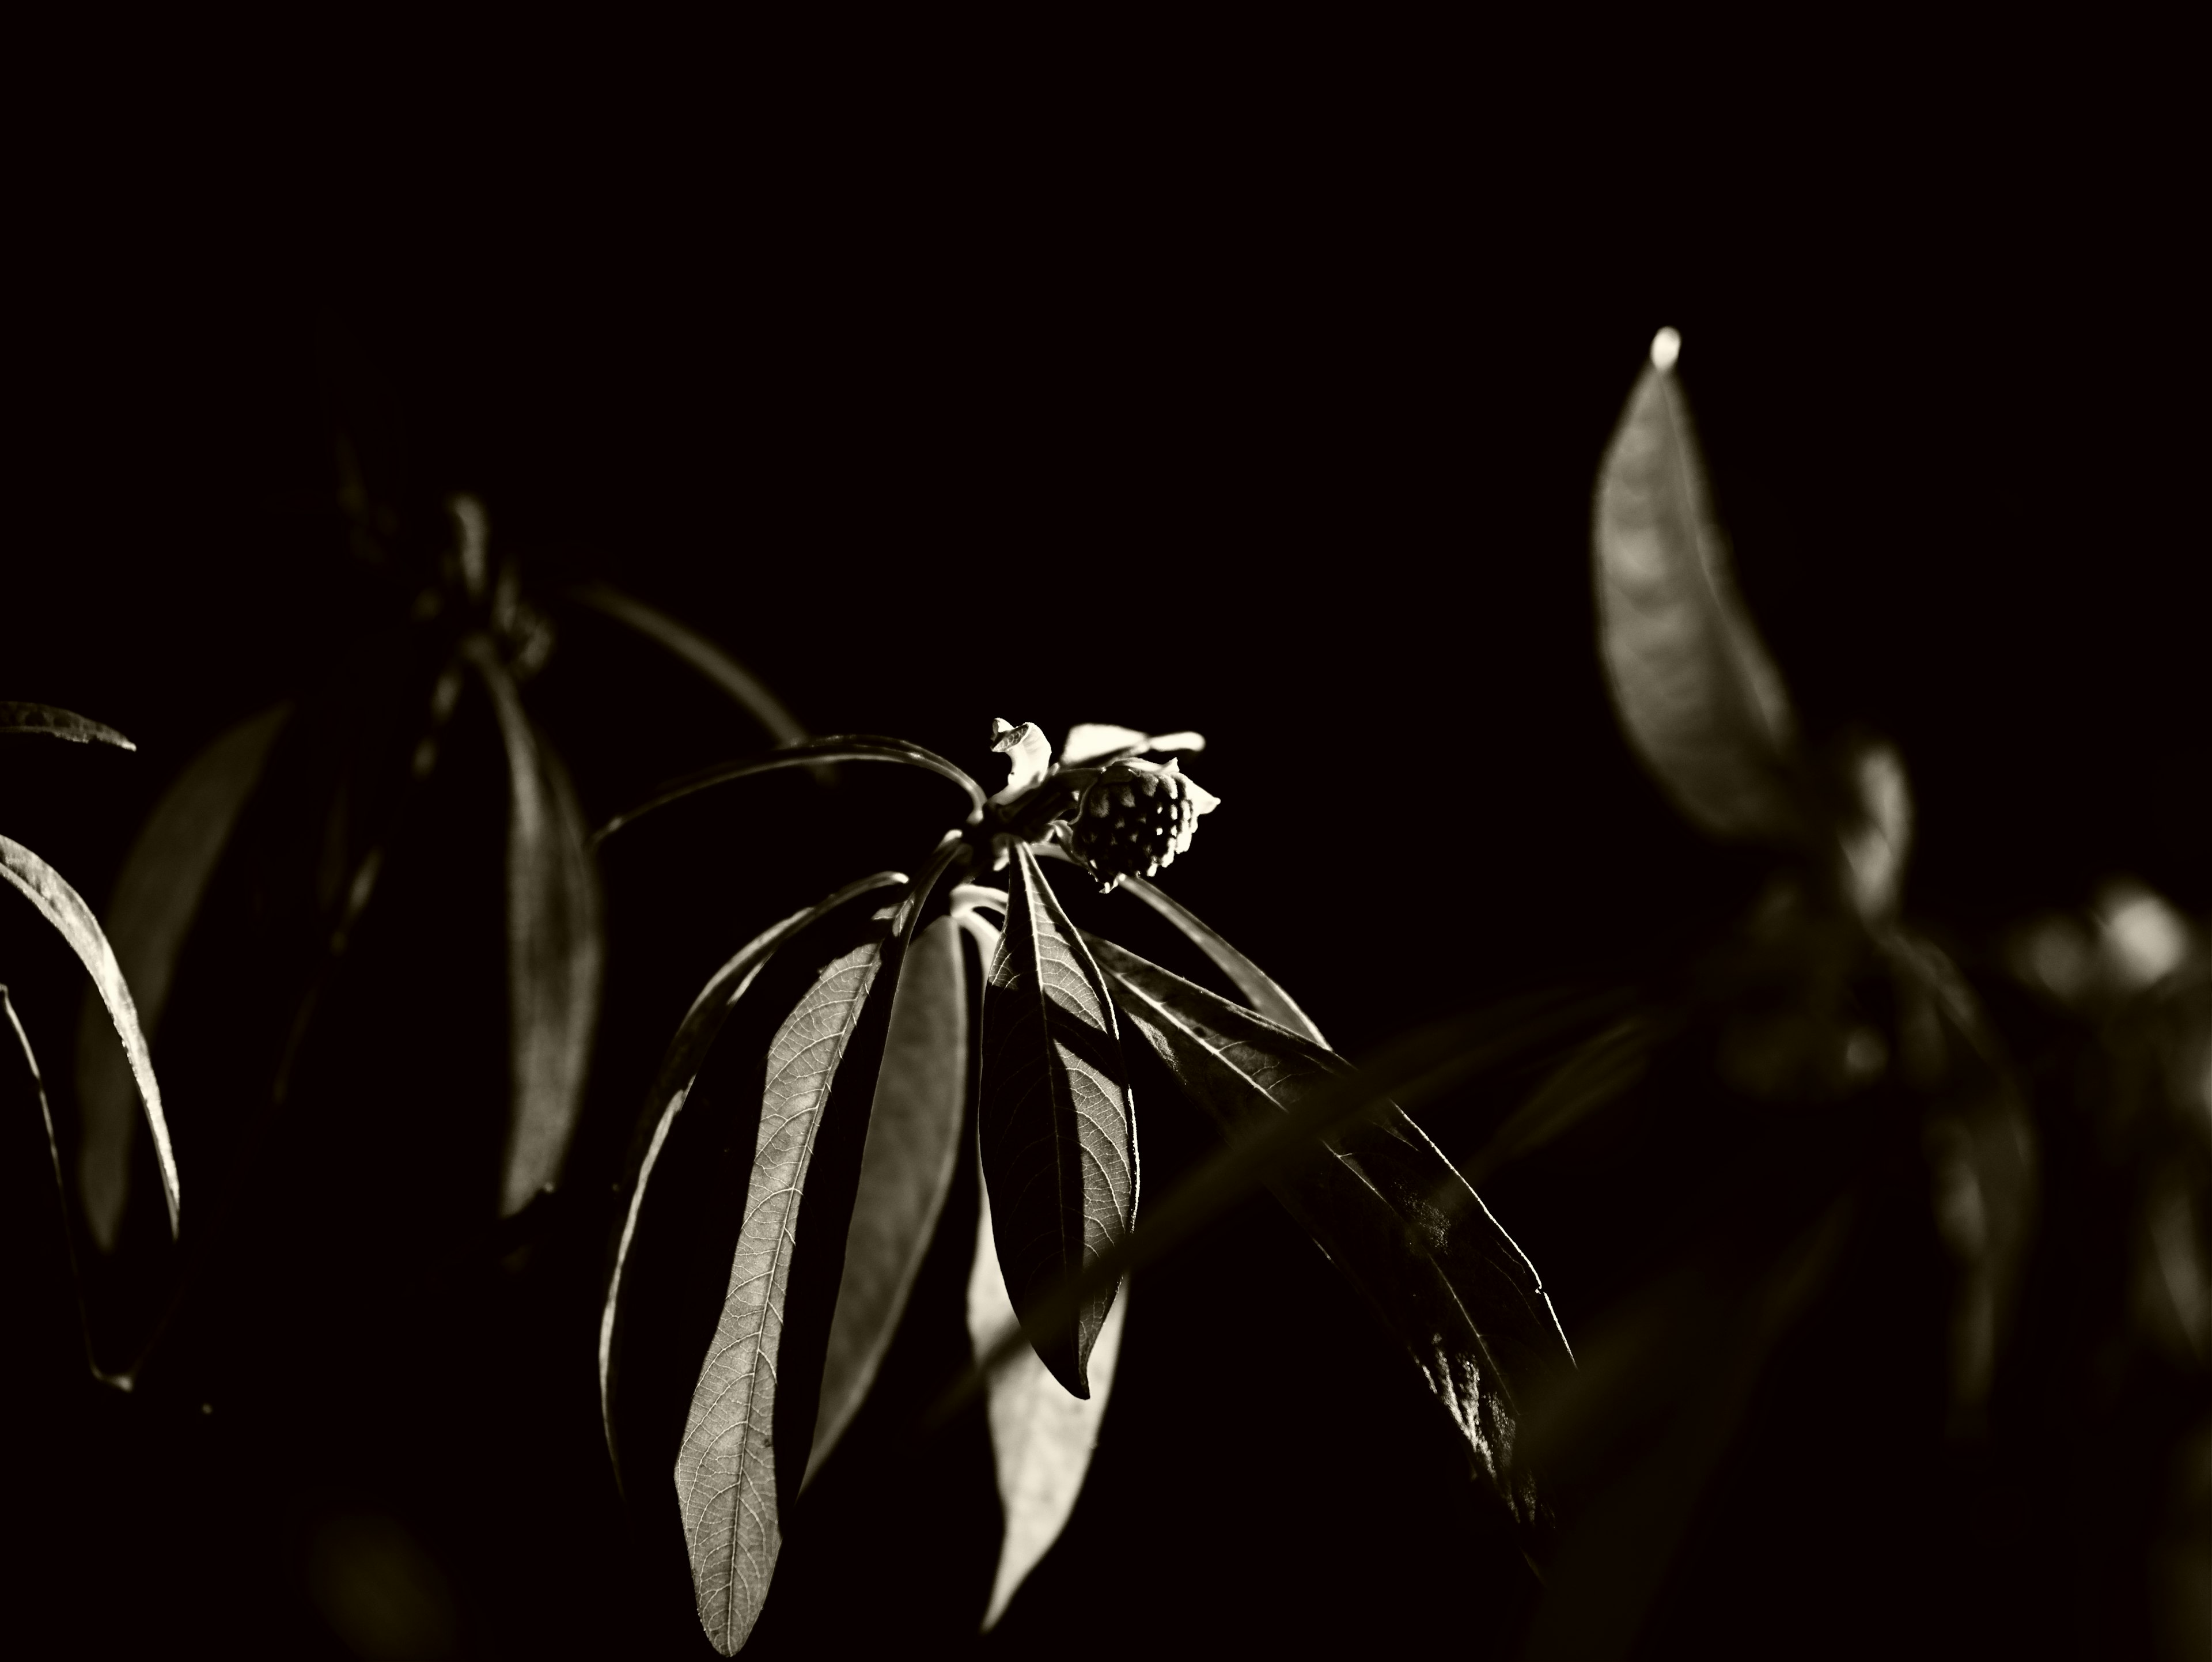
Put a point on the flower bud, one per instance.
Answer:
(1135, 818)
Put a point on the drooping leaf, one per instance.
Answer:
(1700, 700)
(906, 1170)
(702, 654)
(1387, 1207)
(725, 1470)
(671, 1087)
(157, 896)
(1042, 1438)
(847, 747)
(46, 721)
(555, 946)
(43, 887)
(1058, 1135)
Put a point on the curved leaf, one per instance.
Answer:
(1059, 1137)
(679, 1067)
(1699, 698)
(906, 1170)
(554, 947)
(1042, 1438)
(702, 654)
(65, 910)
(1388, 1209)
(725, 1470)
(157, 895)
(37, 1084)
(849, 747)
(47, 721)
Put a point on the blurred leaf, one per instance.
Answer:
(38, 1089)
(555, 946)
(45, 888)
(725, 1470)
(702, 654)
(849, 747)
(1696, 692)
(906, 1170)
(1059, 1136)
(681, 1063)
(1042, 1438)
(157, 896)
(1600, 1070)
(1387, 1207)
(1099, 741)
(45, 722)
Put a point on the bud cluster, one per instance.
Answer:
(1135, 818)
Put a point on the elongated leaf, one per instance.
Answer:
(1042, 1438)
(851, 747)
(1696, 692)
(702, 654)
(1059, 1139)
(30, 1076)
(680, 1064)
(725, 1470)
(906, 1170)
(1388, 1207)
(554, 948)
(65, 910)
(46, 721)
(1248, 977)
(157, 896)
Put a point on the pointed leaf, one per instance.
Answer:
(1387, 1208)
(685, 1054)
(702, 654)
(1098, 741)
(65, 910)
(555, 946)
(725, 1470)
(848, 747)
(157, 895)
(1060, 1139)
(906, 1170)
(1699, 698)
(46, 721)
(1029, 757)
(1042, 1438)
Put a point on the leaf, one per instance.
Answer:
(45, 888)
(702, 654)
(157, 896)
(1700, 700)
(554, 947)
(1059, 1136)
(1042, 1438)
(1090, 742)
(1387, 1208)
(45, 721)
(1265, 996)
(725, 1470)
(849, 747)
(906, 1170)
(61, 1192)
(679, 1067)
(1029, 757)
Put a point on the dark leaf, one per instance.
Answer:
(157, 896)
(45, 722)
(702, 654)
(45, 888)
(554, 947)
(850, 747)
(725, 1470)
(1059, 1136)
(906, 1170)
(1700, 700)
(1386, 1206)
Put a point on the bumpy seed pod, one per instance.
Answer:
(1135, 818)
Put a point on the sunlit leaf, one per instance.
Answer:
(45, 722)
(1384, 1204)
(849, 747)
(1701, 701)
(43, 887)
(906, 1170)
(702, 654)
(157, 895)
(1042, 1438)
(1097, 741)
(725, 1470)
(1029, 757)
(1059, 1136)
(679, 1067)
(554, 947)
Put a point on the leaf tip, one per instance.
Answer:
(1666, 347)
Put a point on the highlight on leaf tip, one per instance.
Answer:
(1666, 347)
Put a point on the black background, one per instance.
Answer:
(1291, 444)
